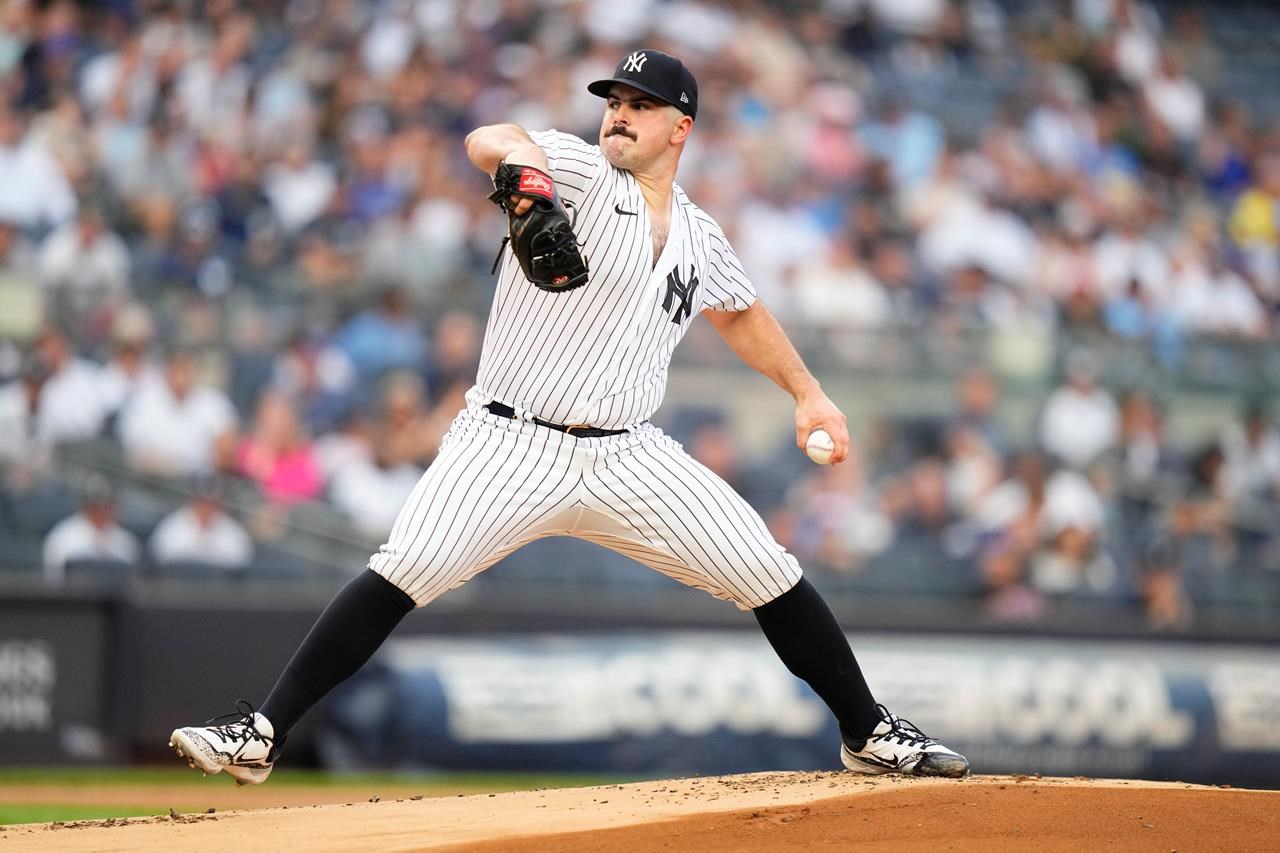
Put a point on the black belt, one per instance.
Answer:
(502, 410)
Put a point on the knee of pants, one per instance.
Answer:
(422, 580)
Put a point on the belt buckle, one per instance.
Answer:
(571, 427)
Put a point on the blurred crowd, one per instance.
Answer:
(243, 239)
(1091, 503)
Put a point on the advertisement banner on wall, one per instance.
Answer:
(698, 703)
(53, 690)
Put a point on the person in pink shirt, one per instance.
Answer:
(277, 454)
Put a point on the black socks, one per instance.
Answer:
(361, 616)
(807, 637)
(798, 624)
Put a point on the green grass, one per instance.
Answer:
(99, 777)
(29, 813)
(121, 779)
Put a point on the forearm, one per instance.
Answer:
(757, 338)
(488, 146)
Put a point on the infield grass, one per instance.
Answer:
(68, 793)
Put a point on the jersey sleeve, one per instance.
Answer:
(574, 164)
(728, 288)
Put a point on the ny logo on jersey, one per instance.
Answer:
(677, 289)
(635, 61)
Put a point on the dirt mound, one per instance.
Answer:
(763, 811)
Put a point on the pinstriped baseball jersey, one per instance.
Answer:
(599, 355)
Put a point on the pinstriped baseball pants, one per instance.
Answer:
(499, 484)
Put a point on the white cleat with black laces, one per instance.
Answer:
(897, 746)
(245, 748)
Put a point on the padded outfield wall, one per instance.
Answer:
(103, 679)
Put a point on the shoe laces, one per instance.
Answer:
(243, 729)
(903, 731)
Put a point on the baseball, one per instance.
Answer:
(820, 446)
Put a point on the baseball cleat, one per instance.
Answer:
(897, 746)
(245, 748)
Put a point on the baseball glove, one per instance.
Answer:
(541, 238)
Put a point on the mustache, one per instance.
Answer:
(619, 130)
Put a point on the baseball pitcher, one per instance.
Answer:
(607, 264)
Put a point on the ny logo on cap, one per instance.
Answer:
(635, 61)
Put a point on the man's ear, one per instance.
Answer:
(681, 129)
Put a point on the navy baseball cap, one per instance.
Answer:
(654, 73)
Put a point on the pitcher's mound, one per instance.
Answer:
(757, 812)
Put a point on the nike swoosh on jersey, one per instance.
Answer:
(617, 208)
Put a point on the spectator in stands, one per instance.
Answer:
(1213, 300)
(976, 407)
(837, 292)
(455, 353)
(1125, 254)
(1200, 519)
(1164, 596)
(71, 407)
(384, 337)
(710, 441)
(212, 88)
(276, 453)
(1251, 454)
(23, 450)
(412, 428)
(1069, 557)
(1080, 420)
(1188, 41)
(910, 140)
(1222, 155)
(36, 192)
(201, 532)
(90, 534)
(240, 199)
(1175, 99)
(917, 503)
(1136, 315)
(973, 469)
(837, 520)
(371, 493)
(129, 367)
(895, 270)
(178, 426)
(1255, 225)
(317, 377)
(85, 263)
(299, 186)
(1144, 453)
(21, 302)
(349, 443)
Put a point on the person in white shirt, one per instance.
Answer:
(178, 426)
(838, 292)
(90, 534)
(201, 532)
(85, 262)
(1175, 99)
(1251, 454)
(1080, 419)
(36, 193)
(372, 492)
(299, 187)
(70, 407)
(22, 448)
(129, 367)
